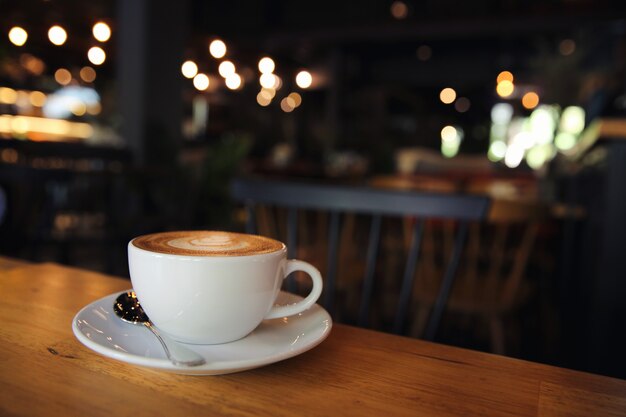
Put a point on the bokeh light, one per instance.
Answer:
(8, 95)
(37, 98)
(447, 95)
(567, 47)
(267, 80)
(565, 141)
(304, 79)
(572, 120)
(297, 99)
(514, 155)
(270, 93)
(217, 48)
(201, 82)
(226, 68)
(57, 35)
(497, 150)
(448, 133)
(87, 74)
(286, 105)
(505, 88)
(18, 36)
(263, 98)
(424, 53)
(530, 100)
(96, 55)
(501, 113)
(233, 81)
(266, 65)
(33, 64)
(101, 31)
(63, 76)
(399, 10)
(189, 69)
(462, 104)
(451, 138)
(504, 76)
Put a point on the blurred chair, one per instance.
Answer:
(355, 224)
(491, 282)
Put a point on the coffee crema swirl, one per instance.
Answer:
(207, 243)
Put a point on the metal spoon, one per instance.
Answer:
(127, 308)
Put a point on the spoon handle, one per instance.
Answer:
(177, 353)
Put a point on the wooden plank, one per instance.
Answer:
(44, 370)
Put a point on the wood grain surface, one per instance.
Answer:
(46, 371)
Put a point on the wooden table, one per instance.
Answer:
(44, 370)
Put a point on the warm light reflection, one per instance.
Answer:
(267, 80)
(233, 81)
(87, 74)
(217, 48)
(8, 95)
(297, 99)
(94, 109)
(37, 98)
(96, 55)
(63, 76)
(23, 98)
(278, 82)
(304, 79)
(9, 156)
(33, 64)
(18, 36)
(226, 68)
(263, 98)
(505, 88)
(101, 31)
(57, 35)
(189, 69)
(78, 108)
(399, 10)
(286, 105)
(21, 125)
(530, 100)
(268, 92)
(447, 95)
(266, 65)
(505, 76)
(201, 82)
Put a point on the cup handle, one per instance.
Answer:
(292, 309)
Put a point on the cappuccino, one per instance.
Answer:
(207, 243)
(188, 297)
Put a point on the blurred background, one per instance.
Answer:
(124, 118)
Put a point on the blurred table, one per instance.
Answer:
(46, 371)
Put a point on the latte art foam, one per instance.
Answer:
(207, 243)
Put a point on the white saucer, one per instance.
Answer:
(98, 328)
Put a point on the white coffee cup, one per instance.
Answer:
(209, 296)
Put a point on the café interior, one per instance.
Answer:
(119, 119)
